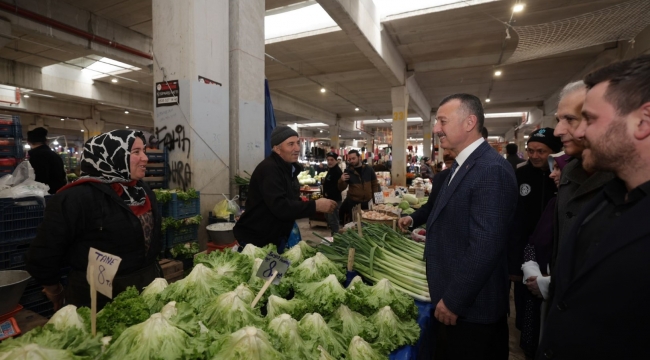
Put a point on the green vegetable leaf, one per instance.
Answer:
(392, 332)
(284, 333)
(198, 288)
(350, 324)
(228, 313)
(277, 306)
(325, 296)
(127, 309)
(248, 343)
(369, 299)
(313, 327)
(359, 349)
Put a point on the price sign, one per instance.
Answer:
(379, 197)
(103, 267)
(273, 262)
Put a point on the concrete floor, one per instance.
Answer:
(515, 351)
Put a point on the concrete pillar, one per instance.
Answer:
(191, 55)
(400, 100)
(427, 128)
(246, 86)
(370, 146)
(93, 127)
(334, 138)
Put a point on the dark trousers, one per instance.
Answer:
(471, 341)
(346, 210)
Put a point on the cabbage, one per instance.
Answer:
(393, 333)
(359, 349)
(325, 296)
(232, 265)
(156, 338)
(412, 200)
(316, 268)
(248, 343)
(198, 288)
(66, 318)
(228, 313)
(150, 294)
(350, 324)
(313, 327)
(127, 309)
(369, 299)
(37, 352)
(404, 205)
(284, 333)
(276, 306)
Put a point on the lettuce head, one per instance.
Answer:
(151, 292)
(313, 327)
(350, 324)
(325, 296)
(359, 349)
(277, 306)
(369, 299)
(285, 337)
(248, 343)
(198, 288)
(392, 333)
(228, 313)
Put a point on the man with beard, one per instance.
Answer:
(331, 190)
(600, 309)
(361, 181)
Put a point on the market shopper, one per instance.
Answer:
(536, 188)
(467, 234)
(110, 209)
(512, 157)
(273, 203)
(361, 182)
(331, 190)
(425, 168)
(600, 308)
(47, 164)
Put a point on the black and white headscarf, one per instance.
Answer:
(106, 158)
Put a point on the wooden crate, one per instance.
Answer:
(170, 267)
(175, 276)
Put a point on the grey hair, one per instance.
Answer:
(570, 88)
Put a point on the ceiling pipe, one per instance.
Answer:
(72, 30)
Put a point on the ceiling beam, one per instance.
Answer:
(324, 78)
(360, 20)
(293, 106)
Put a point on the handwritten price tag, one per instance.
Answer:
(379, 197)
(103, 267)
(273, 262)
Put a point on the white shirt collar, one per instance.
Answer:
(466, 152)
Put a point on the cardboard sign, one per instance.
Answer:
(273, 262)
(103, 267)
(379, 197)
(167, 93)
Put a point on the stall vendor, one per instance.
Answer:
(274, 203)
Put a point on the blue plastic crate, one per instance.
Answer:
(6, 170)
(15, 150)
(157, 185)
(13, 254)
(157, 156)
(183, 234)
(156, 171)
(10, 119)
(179, 209)
(19, 218)
(12, 131)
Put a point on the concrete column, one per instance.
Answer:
(94, 126)
(400, 100)
(334, 137)
(192, 48)
(370, 146)
(246, 86)
(427, 128)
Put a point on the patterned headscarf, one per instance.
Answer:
(107, 157)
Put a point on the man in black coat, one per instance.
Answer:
(513, 158)
(48, 166)
(331, 190)
(273, 203)
(602, 291)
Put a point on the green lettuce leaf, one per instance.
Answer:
(67, 317)
(359, 349)
(37, 352)
(276, 306)
(127, 309)
(350, 324)
(316, 268)
(284, 332)
(248, 343)
(198, 288)
(183, 316)
(151, 294)
(392, 332)
(312, 327)
(369, 299)
(231, 265)
(294, 255)
(228, 313)
(73, 339)
(325, 296)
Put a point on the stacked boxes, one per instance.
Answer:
(12, 150)
(157, 174)
(179, 210)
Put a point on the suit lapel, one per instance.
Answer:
(448, 190)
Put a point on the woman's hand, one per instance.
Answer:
(55, 294)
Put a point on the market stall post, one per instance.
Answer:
(334, 138)
(427, 129)
(400, 100)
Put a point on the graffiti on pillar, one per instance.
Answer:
(174, 139)
(181, 174)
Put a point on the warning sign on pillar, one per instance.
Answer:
(167, 93)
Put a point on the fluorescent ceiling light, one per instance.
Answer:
(311, 125)
(505, 115)
(298, 21)
(106, 67)
(518, 8)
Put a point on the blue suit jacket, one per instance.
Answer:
(467, 235)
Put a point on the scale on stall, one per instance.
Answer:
(12, 286)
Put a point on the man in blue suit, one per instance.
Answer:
(467, 233)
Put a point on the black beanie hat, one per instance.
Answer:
(281, 133)
(38, 135)
(546, 137)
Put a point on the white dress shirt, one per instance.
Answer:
(464, 154)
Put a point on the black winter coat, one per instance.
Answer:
(273, 203)
(48, 167)
(91, 215)
(330, 184)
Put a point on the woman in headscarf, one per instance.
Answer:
(110, 209)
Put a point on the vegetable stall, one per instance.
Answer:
(208, 314)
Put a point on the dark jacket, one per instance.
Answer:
(421, 215)
(466, 239)
(602, 311)
(330, 183)
(426, 172)
(514, 160)
(362, 183)
(535, 191)
(48, 167)
(273, 203)
(91, 215)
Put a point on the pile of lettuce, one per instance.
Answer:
(208, 315)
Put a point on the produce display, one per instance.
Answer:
(305, 179)
(208, 315)
(374, 215)
(163, 195)
(387, 207)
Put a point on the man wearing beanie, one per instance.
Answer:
(535, 191)
(48, 166)
(274, 203)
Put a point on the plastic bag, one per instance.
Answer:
(294, 236)
(225, 207)
(22, 184)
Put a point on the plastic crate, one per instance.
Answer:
(156, 170)
(9, 120)
(19, 218)
(6, 170)
(179, 209)
(157, 156)
(12, 131)
(15, 150)
(44, 308)
(13, 254)
(157, 184)
(183, 234)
